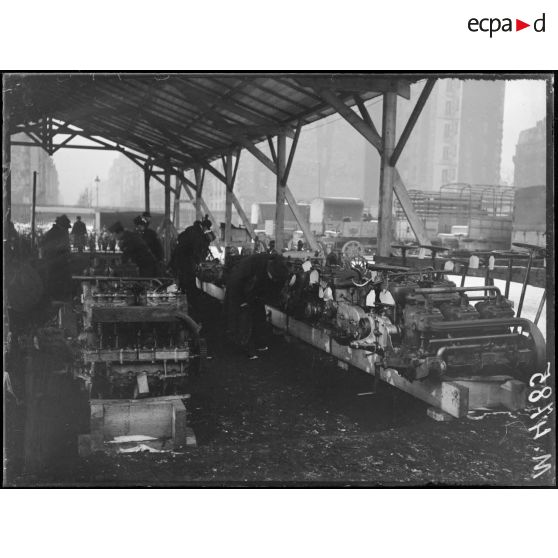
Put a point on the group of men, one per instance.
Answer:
(251, 282)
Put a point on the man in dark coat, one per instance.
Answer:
(150, 237)
(192, 248)
(55, 247)
(79, 232)
(135, 249)
(251, 283)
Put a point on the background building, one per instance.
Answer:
(458, 136)
(26, 160)
(530, 156)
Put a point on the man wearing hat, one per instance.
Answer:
(55, 247)
(191, 249)
(134, 249)
(79, 232)
(150, 237)
(251, 283)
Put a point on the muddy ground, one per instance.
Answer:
(295, 417)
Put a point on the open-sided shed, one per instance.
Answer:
(183, 125)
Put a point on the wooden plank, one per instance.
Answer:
(313, 336)
(510, 394)
(178, 425)
(277, 318)
(355, 357)
(243, 216)
(406, 203)
(448, 396)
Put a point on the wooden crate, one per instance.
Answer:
(160, 418)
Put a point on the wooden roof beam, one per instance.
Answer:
(370, 133)
(421, 101)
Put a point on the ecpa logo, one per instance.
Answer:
(492, 25)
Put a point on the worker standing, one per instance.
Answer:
(79, 234)
(55, 248)
(191, 249)
(150, 237)
(251, 283)
(135, 249)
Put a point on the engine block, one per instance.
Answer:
(416, 321)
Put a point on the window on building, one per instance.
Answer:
(446, 153)
(448, 108)
(445, 176)
(447, 130)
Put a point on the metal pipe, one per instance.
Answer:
(475, 338)
(539, 309)
(525, 282)
(443, 290)
(509, 277)
(444, 326)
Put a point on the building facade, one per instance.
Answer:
(530, 157)
(24, 161)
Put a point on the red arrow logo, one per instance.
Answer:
(519, 25)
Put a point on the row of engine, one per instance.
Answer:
(415, 321)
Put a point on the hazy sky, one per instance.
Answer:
(525, 104)
(77, 169)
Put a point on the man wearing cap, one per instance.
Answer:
(79, 232)
(55, 248)
(150, 237)
(191, 249)
(251, 283)
(135, 249)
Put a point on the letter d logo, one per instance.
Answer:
(539, 24)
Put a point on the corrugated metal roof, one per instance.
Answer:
(186, 118)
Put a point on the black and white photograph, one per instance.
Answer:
(278, 279)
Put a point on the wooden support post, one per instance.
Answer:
(302, 223)
(280, 193)
(176, 213)
(385, 214)
(228, 198)
(33, 208)
(199, 176)
(166, 227)
(146, 178)
(167, 193)
(6, 215)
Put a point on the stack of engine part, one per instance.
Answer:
(138, 340)
(416, 321)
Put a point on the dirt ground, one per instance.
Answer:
(293, 417)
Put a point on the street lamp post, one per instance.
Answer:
(97, 180)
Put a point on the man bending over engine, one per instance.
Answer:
(252, 282)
